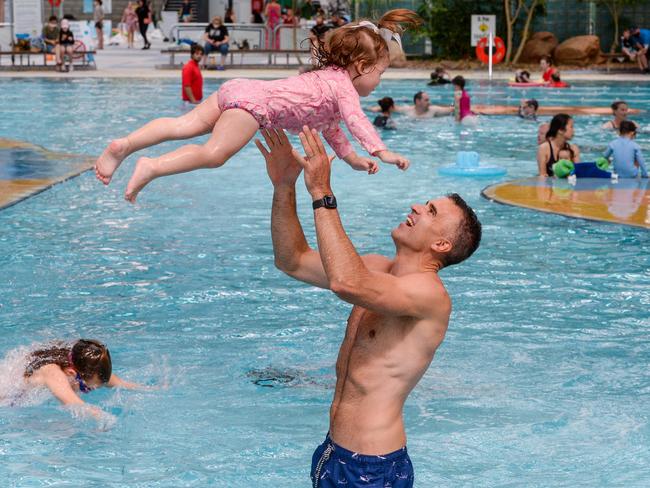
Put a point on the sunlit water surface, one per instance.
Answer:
(543, 378)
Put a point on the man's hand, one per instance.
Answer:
(393, 158)
(281, 165)
(360, 163)
(316, 163)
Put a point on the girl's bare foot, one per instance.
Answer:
(142, 174)
(110, 159)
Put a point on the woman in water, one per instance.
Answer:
(559, 133)
(620, 111)
(546, 64)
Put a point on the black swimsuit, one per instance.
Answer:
(551, 161)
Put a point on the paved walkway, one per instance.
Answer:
(121, 62)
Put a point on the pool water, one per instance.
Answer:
(543, 378)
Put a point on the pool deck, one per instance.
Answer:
(120, 62)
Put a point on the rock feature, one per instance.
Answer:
(540, 44)
(580, 50)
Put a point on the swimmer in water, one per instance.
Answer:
(68, 370)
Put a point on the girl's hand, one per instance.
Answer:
(393, 158)
(362, 164)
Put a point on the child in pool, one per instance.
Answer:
(462, 103)
(351, 60)
(627, 155)
(70, 369)
(565, 153)
(384, 120)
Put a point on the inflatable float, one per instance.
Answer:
(516, 84)
(546, 110)
(467, 164)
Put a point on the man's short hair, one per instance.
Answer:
(53, 18)
(626, 127)
(417, 97)
(196, 48)
(533, 103)
(468, 233)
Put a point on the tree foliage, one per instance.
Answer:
(615, 7)
(516, 12)
(447, 23)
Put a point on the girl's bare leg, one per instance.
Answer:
(197, 122)
(232, 131)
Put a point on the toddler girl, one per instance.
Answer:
(351, 60)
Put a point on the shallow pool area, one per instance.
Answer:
(542, 380)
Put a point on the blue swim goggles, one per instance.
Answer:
(83, 387)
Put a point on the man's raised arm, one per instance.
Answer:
(292, 252)
(347, 273)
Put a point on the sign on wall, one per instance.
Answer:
(481, 26)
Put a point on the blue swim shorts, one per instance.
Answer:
(333, 466)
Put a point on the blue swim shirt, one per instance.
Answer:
(626, 152)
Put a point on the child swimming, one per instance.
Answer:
(351, 60)
(70, 369)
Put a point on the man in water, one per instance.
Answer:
(400, 314)
(421, 108)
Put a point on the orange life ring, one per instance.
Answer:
(482, 50)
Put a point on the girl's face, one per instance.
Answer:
(366, 78)
(544, 64)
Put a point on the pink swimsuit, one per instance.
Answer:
(318, 99)
(465, 109)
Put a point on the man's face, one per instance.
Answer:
(428, 225)
(528, 109)
(197, 56)
(423, 103)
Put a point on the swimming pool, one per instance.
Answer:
(542, 380)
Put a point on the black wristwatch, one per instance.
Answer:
(328, 201)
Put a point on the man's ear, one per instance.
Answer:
(441, 245)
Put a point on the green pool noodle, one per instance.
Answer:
(563, 168)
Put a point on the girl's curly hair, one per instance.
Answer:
(351, 43)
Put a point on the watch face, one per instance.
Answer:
(330, 201)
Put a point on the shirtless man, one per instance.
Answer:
(400, 314)
(421, 107)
